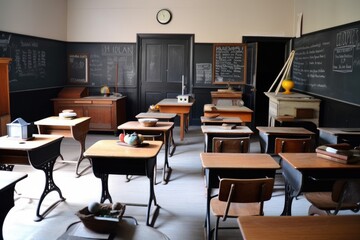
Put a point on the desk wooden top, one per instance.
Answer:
(135, 125)
(206, 129)
(58, 121)
(8, 178)
(235, 120)
(174, 102)
(341, 131)
(215, 108)
(36, 142)
(308, 161)
(300, 227)
(158, 115)
(285, 130)
(238, 160)
(111, 148)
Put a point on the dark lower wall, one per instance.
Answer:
(338, 114)
(32, 105)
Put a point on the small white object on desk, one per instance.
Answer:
(184, 98)
(67, 114)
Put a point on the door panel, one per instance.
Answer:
(175, 63)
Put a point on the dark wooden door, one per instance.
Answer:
(164, 61)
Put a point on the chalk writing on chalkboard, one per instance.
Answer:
(203, 73)
(327, 63)
(78, 68)
(229, 63)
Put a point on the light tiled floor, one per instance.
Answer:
(182, 200)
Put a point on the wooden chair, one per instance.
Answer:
(345, 195)
(231, 145)
(293, 145)
(240, 197)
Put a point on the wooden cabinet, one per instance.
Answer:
(106, 113)
(4, 95)
(299, 106)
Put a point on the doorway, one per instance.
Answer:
(165, 62)
(266, 57)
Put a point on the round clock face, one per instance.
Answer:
(163, 16)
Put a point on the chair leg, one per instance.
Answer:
(216, 228)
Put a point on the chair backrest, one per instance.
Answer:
(231, 145)
(293, 145)
(255, 190)
(346, 191)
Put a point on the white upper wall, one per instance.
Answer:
(322, 14)
(210, 20)
(40, 18)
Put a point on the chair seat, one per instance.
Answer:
(323, 201)
(236, 209)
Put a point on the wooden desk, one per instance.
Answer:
(169, 105)
(41, 152)
(167, 117)
(231, 96)
(300, 227)
(220, 120)
(125, 231)
(305, 172)
(267, 136)
(244, 113)
(76, 129)
(339, 135)
(300, 106)
(233, 165)
(8, 181)
(162, 129)
(211, 131)
(108, 157)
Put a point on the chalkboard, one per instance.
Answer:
(37, 63)
(327, 63)
(229, 63)
(111, 64)
(77, 68)
(203, 59)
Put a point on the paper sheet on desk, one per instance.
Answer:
(82, 231)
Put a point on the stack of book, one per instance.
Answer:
(342, 153)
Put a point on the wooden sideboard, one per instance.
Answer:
(106, 113)
(299, 106)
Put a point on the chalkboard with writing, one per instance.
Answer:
(111, 64)
(77, 68)
(37, 63)
(229, 63)
(327, 63)
(203, 59)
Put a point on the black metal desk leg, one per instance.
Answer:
(167, 169)
(105, 188)
(50, 186)
(288, 200)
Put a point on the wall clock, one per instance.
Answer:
(164, 16)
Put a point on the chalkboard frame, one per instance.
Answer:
(83, 58)
(237, 81)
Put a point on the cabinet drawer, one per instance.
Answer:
(102, 102)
